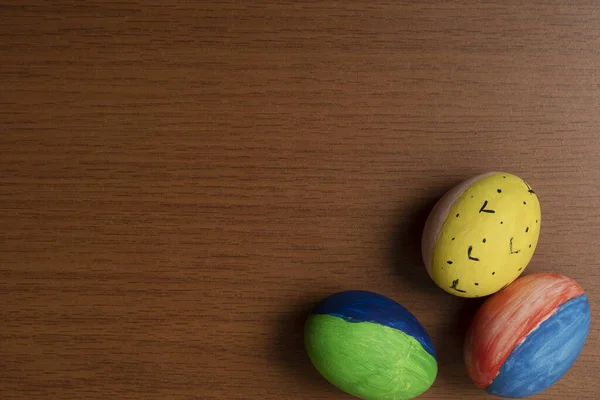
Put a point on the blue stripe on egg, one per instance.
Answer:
(363, 306)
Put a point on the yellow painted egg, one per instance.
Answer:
(482, 234)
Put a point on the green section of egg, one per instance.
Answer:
(368, 360)
(488, 236)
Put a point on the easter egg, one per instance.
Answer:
(526, 337)
(482, 234)
(370, 346)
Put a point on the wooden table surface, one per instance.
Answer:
(180, 182)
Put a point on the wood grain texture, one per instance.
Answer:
(180, 182)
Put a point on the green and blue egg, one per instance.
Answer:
(370, 347)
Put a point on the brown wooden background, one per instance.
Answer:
(181, 181)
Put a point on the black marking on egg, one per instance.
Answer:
(511, 247)
(469, 254)
(455, 286)
(529, 189)
(483, 209)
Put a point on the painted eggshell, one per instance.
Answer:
(370, 346)
(526, 337)
(482, 234)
